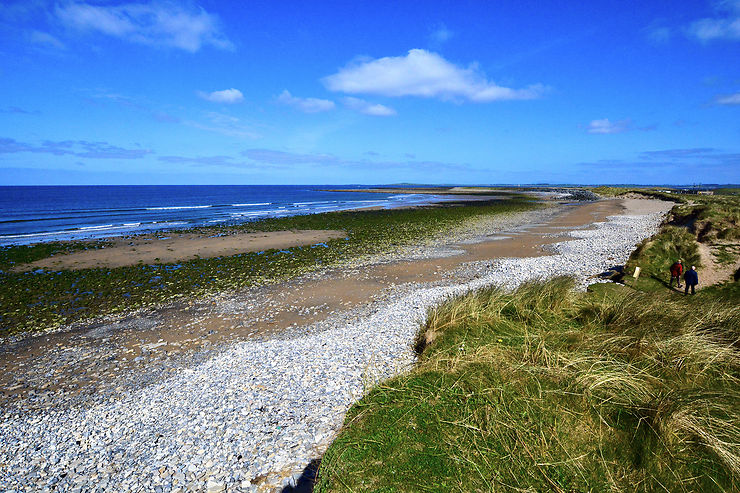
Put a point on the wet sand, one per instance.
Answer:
(178, 247)
(113, 355)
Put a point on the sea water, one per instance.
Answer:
(54, 213)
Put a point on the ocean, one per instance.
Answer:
(56, 213)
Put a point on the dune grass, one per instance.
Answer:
(40, 300)
(655, 256)
(546, 389)
(623, 388)
(712, 220)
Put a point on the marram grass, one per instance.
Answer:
(545, 389)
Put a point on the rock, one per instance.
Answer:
(215, 486)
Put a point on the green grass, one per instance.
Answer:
(623, 388)
(11, 256)
(39, 300)
(726, 254)
(713, 220)
(546, 389)
(655, 255)
(727, 191)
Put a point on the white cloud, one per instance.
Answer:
(604, 126)
(725, 26)
(307, 105)
(424, 74)
(157, 24)
(228, 96)
(367, 107)
(730, 99)
(46, 39)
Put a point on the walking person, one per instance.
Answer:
(676, 271)
(691, 278)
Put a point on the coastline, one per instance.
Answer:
(115, 213)
(321, 369)
(47, 299)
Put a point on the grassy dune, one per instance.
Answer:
(623, 388)
(39, 300)
(547, 389)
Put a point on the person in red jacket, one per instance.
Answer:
(676, 271)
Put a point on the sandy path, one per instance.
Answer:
(712, 272)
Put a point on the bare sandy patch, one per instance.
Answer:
(713, 272)
(181, 247)
(639, 206)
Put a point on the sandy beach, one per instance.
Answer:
(182, 328)
(124, 362)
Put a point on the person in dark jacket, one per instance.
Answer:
(691, 278)
(676, 271)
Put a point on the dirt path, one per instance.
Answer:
(109, 357)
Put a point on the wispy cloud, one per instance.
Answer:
(678, 153)
(726, 25)
(620, 164)
(101, 97)
(19, 111)
(306, 105)
(281, 157)
(367, 107)
(227, 96)
(200, 160)
(606, 126)
(698, 155)
(221, 162)
(21, 10)
(729, 99)
(78, 148)
(164, 117)
(671, 165)
(155, 24)
(440, 34)
(659, 34)
(424, 74)
(224, 124)
(273, 157)
(40, 38)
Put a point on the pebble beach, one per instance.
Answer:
(250, 416)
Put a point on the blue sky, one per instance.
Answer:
(469, 92)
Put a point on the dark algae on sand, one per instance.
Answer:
(42, 299)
